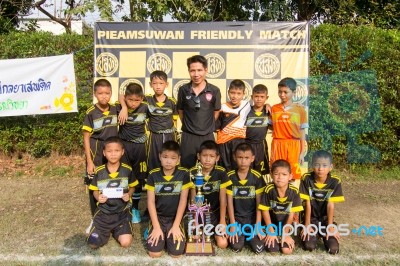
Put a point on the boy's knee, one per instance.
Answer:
(236, 247)
(332, 245)
(125, 242)
(287, 251)
(93, 246)
(155, 254)
(310, 244)
(222, 242)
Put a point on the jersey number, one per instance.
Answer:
(143, 167)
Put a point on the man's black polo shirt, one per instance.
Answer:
(197, 119)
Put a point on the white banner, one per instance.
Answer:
(43, 85)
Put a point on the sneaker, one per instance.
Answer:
(87, 231)
(135, 216)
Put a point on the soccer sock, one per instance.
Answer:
(136, 197)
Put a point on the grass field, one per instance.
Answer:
(44, 212)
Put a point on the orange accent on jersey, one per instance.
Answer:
(230, 132)
(287, 123)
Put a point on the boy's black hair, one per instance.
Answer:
(244, 147)
(260, 88)
(101, 83)
(322, 154)
(281, 163)
(171, 145)
(197, 59)
(237, 84)
(209, 145)
(288, 82)
(113, 140)
(158, 74)
(134, 89)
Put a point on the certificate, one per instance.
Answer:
(112, 193)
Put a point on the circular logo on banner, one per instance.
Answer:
(159, 61)
(267, 65)
(177, 86)
(122, 87)
(301, 94)
(106, 64)
(247, 92)
(216, 65)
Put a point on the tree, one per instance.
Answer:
(76, 9)
(9, 11)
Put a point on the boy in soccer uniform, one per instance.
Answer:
(112, 215)
(100, 123)
(279, 202)
(167, 193)
(257, 127)
(243, 197)
(231, 128)
(198, 106)
(289, 121)
(321, 190)
(133, 135)
(215, 183)
(162, 117)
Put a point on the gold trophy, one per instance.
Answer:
(199, 216)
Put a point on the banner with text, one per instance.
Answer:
(43, 85)
(256, 52)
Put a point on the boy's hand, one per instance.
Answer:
(176, 233)
(270, 241)
(305, 234)
(301, 158)
(224, 234)
(90, 168)
(333, 233)
(155, 235)
(233, 238)
(288, 240)
(126, 197)
(102, 198)
(123, 115)
(268, 108)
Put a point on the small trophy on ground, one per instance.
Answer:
(199, 216)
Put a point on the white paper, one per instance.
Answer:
(113, 193)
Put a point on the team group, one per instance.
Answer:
(133, 144)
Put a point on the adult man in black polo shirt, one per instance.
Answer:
(198, 106)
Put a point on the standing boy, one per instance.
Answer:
(112, 186)
(257, 127)
(167, 193)
(99, 124)
(215, 183)
(231, 128)
(320, 189)
(133, 135)
(243, 198)
(198, 106)
(162, 117)
(279, 202)
(289, 121)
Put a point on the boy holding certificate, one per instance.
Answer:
(112, 185)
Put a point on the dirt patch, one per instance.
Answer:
(44, 212)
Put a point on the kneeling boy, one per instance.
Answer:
(167, 193)
(320, 189)
(112, 185)
(279, 202)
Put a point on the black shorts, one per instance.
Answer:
(105, 224)
(261, 161)
(226, 151)
(190, 144)
(175, 249)
(135, 156)
(96, 150)
(154, 148)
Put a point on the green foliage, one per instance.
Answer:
(42, 134)
(354, 101)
